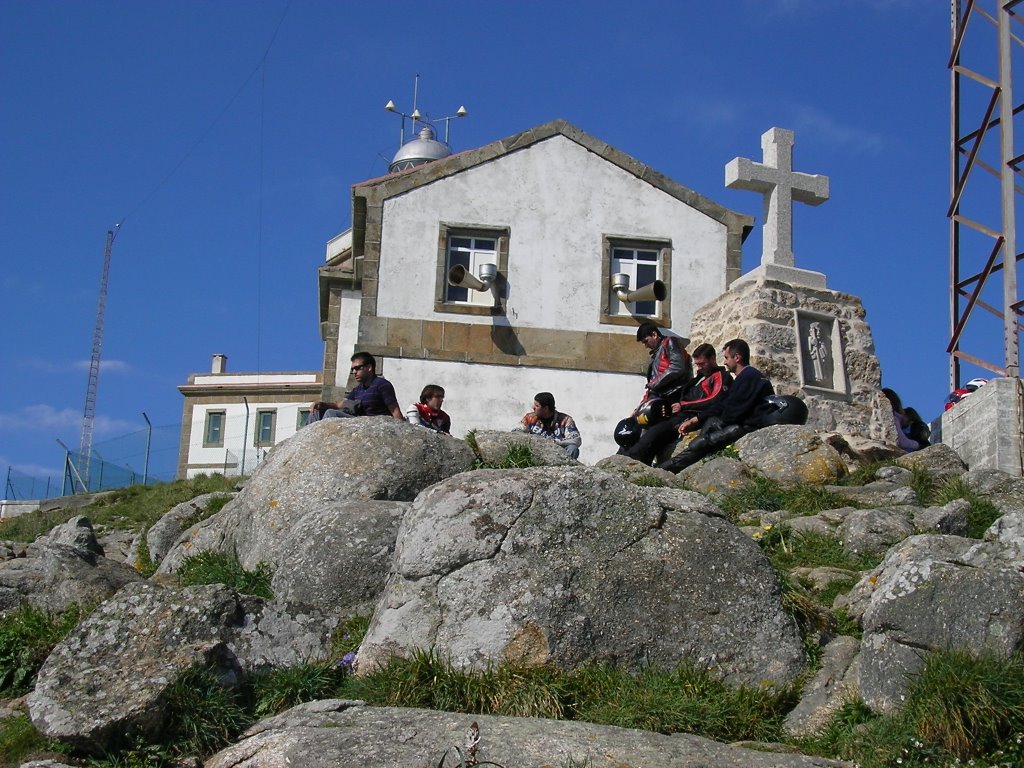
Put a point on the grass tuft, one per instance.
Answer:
(203, 715)
(27, 635)
(770, 495)
(224, 568)
(982, 513)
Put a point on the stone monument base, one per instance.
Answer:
(987, 428)
(811, 342)
(790, 275)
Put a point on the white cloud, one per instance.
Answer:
(46, 417)
(33, 470)
(106, 366)
(811, 120)
(49, 366)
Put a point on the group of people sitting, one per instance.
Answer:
(684, 394)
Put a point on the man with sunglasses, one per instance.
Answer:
(372, 395)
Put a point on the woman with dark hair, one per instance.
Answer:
(907, 423)
(427, 412)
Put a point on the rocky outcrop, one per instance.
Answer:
(571, 564)
(791, 454)
(165, 532)
(109, 678)
(828, 690)
(933, 592)
(62, 569)
(640, 474)
(716, 476)
(331, 733)
(323, 465)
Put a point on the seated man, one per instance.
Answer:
(699, 395)
(373, 395)
(545, 421)
(732, 416)
(670, 367)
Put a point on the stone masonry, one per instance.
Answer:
(843, 395)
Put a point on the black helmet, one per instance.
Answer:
(627, 432)
(653, 412)
(785, 409)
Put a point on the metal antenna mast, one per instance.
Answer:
(89, 413)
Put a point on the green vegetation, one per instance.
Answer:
(647, 481)
(224, 568)
(963, 708)
(865, 473)
(795, 549)
(982, 513)
(20, 741)
(771, 496)
(131, 509)
(517, 455)
(27, 635)
(687, 699)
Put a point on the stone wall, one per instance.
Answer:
(986, 428)
(814, 343)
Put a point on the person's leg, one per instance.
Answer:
(653, 440)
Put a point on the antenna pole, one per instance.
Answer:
(91, 387)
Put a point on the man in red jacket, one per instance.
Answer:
(710, 384)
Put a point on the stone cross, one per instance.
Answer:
(781, 185)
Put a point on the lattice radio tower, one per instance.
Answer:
(91, 387)
(981, 98)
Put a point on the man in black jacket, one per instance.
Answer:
(732, 416)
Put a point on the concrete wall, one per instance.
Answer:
(987, 428)
(13, 508)
(496, 397)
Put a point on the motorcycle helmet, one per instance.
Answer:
(627, 432)
(654, 411)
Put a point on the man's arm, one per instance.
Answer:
(396, 412)
(570, 434)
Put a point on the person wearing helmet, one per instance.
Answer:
(729, 418)
(703, 391)
(545, 421)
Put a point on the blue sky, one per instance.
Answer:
(230, 164)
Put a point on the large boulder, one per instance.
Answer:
(337, 560)
(60, 570)
(109, 677)
(330, 733)
(1005, 491)
(565, 565)
(791, 454)
(716, 476)
(639, 473)
(939, 460)
(324, 464)
(930, 593)
(832, 686)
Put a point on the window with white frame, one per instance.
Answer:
(470, 247)
(213, 431)
(642, 262)
(263, 434)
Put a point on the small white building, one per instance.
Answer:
(231, 420)
(558, 213)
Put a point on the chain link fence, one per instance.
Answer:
(146, 456)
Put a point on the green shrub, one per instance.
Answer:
(349, 635)
(517, 455)
(648, 481)
(27, 635)
(865, 473)
(809, 549)
(224, 568)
